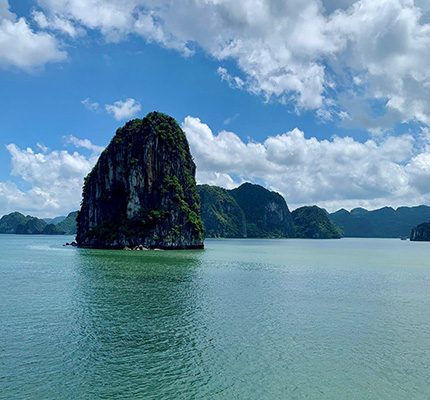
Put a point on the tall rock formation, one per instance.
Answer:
(221, 214)
(247, 211)
(266, 212)
(312, 222)
(421, 233)
(142, 191)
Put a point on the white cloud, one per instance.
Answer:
(123, 109)
(55, 179)
(84, 143)
(21, 47)
(233, 81)
(340, 172)
(303, 53)
(5, 11)
(89, 105)
(57, 23)
(335, 173)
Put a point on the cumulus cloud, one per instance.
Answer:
(55, 179)
(335, 173)
(21, 47)
(303, 53)
(340, 172)
(5, 11)
(123, 109)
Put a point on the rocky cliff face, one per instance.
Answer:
(247, 211)
(222, 216)
(142, 190)
(312, 222)
(421, 233)
(266, 212)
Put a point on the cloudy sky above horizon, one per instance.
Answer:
(324, 101)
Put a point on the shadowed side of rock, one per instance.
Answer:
(421, 233)
(142, 191)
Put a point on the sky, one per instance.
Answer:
(323, 101)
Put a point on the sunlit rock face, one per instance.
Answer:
(142, 191)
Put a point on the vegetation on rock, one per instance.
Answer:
(247, 211)
(312, 222)
(17, 223)
(266, 212)
(221, 214)
(142, 191)
(421, 233)
(68, 225)
(384, 222)
(9, 223)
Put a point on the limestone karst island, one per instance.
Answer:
(142, 190)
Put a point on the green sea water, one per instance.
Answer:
(242, 319)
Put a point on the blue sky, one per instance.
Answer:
(325, 102)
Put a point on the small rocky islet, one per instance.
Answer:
(142, 191)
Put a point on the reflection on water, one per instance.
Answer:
(136, 317)
(243, 319)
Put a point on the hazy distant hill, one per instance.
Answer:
(55, 220)
(17, 223)
(384, 222)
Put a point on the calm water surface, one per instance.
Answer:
(243, 319)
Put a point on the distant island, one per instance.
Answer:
(251, 211)
(313, 222)
(225, 215)
(17, 223)
(383, 223)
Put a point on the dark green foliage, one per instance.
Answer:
(33, 226)
(248, 211)
(27, 225)
(421, 233)
(56, 220)
(9, 223)
(311, 222)
(266, 212)
(52, 229)
(23, 225)
(384, 222)
(353, 225)
(68, 225)
(221, 214)
(142, 190)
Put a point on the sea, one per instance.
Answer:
(241, 319)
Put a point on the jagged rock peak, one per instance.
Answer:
(142, 191)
